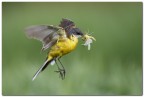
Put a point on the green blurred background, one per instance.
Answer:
(113, 66)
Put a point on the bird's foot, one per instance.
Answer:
(61, 72)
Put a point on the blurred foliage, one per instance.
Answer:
(112, 67)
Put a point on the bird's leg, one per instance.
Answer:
(64, 72)
(60, 71)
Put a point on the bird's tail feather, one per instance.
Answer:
(46, 63)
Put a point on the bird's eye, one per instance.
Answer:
(78, 33)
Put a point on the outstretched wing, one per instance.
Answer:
(46, 34)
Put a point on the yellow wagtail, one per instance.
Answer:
(61, 40)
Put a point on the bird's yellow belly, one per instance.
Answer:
(62, 47)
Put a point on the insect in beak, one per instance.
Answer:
(88, 40)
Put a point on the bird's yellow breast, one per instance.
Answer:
(63, 46)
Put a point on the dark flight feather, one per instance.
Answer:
(67, 25)
(46, 34)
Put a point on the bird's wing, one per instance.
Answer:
(67, 25)
(46, 34)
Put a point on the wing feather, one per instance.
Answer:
(67, 25)
(46, 34)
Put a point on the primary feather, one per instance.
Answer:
(48, 35)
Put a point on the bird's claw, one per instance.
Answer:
(61, 72)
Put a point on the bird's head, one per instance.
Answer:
(70, 28)
(76, 32)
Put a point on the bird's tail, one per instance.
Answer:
(46, 63)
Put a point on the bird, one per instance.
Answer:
(60, 40)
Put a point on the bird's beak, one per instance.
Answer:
(78, 36)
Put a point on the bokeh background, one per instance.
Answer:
(113, 66)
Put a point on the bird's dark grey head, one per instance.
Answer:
(70, 27)
(76, 31)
